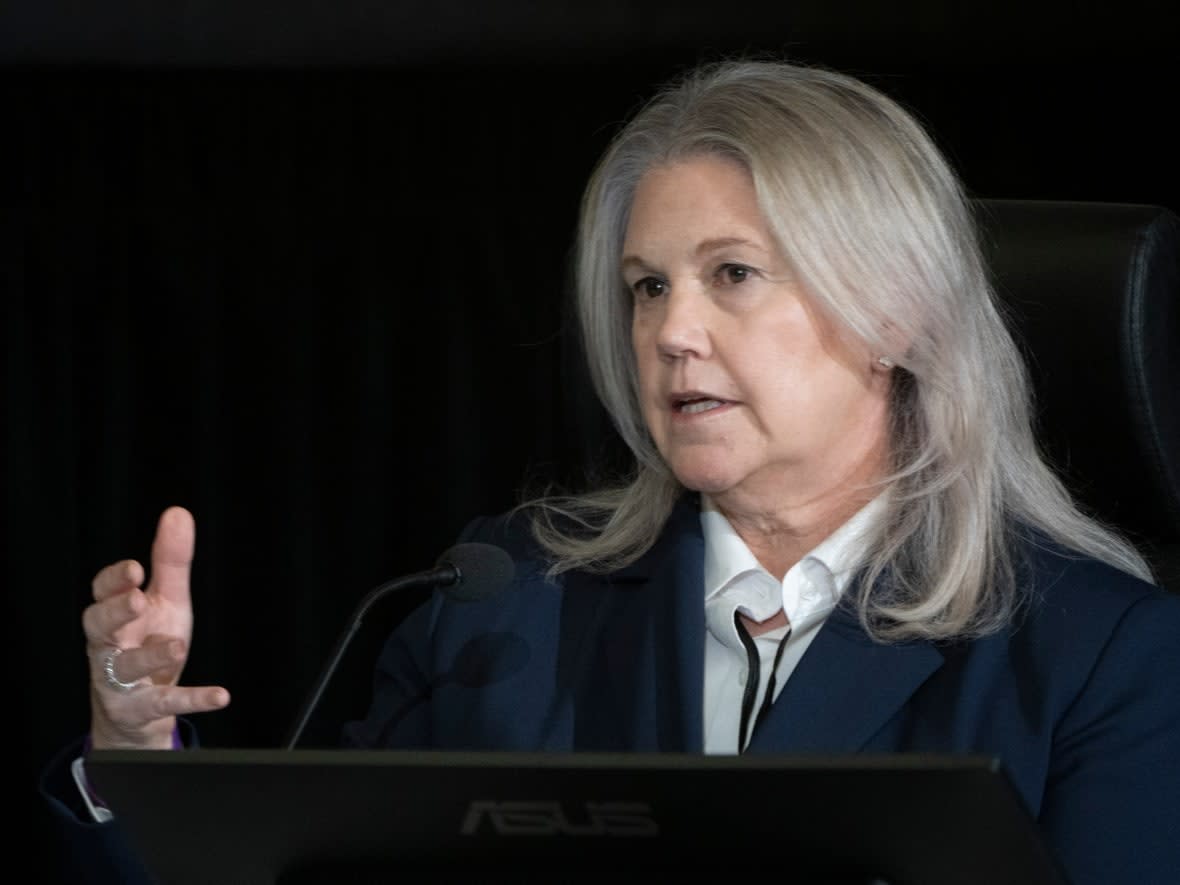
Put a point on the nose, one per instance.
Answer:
(682, 326)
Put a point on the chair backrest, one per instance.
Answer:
(1093, 293)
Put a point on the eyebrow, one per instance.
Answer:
(724, 242)
(703, 248)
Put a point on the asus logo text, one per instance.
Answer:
(551, 818)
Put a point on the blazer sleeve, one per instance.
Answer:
(92, 853)
(1115, 763)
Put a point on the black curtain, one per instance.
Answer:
(325, 308)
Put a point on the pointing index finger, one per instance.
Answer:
(172, 554)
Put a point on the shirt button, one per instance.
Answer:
(742, 678)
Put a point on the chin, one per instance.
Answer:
(708, 478)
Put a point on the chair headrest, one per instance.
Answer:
(1093, 295)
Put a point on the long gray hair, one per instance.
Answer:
(878, 230)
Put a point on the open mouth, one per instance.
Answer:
(697, 405)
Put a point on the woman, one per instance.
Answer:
(839, 535)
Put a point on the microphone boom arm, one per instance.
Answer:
(442, 575)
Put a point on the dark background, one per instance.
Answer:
(302, 269)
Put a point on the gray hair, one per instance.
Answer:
(880, 233)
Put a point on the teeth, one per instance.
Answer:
(700, 405)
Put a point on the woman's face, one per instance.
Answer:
(749, 395)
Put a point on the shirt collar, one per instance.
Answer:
(832, 562)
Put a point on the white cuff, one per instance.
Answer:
(100, 813)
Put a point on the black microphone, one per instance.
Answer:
(467, 572)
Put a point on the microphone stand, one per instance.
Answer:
(439, 576)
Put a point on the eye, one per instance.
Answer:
(731, 274)
(651, 287)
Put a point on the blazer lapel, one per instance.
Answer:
(844, 689)
(632, 658)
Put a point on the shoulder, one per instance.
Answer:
(1054, 576)
(1091, 647)
(1082, 608)
(512, 532)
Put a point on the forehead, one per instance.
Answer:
(695, 199)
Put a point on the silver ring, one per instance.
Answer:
(108, 668)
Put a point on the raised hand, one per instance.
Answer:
(137, 642)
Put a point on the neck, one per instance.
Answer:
(780, 532)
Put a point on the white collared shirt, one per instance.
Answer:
(734, 580)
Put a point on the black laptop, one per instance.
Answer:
(313, 817)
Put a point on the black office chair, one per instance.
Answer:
(1093, 290)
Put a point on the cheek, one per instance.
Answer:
(646, 368)
(644, 354)
(806, 390)
(641, 335)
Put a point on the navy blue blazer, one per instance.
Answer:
(1080, 698)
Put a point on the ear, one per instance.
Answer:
(890, 346)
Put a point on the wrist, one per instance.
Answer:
(159, 739)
